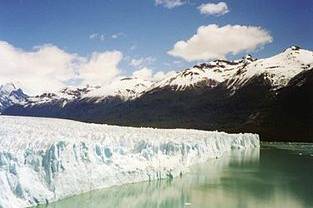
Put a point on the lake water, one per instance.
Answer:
(266, 178)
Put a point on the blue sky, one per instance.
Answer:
(141, 28)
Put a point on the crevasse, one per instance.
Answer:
(44, 160)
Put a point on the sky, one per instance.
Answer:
(46, 45)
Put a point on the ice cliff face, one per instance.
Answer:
(44, 160)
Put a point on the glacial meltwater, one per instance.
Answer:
(277, 175)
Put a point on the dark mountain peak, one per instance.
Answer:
(199, 66)
(46, 95)
(8, 87)
(74, 93)
(220, 63)
(248, 58)
(10, 95)
(126, 78)
(10, 90)
(18, 94)
(292, 48)
(295, 47)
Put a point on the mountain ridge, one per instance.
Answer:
(10, 95)
(232, 96)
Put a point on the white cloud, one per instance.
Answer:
(144, 73)
(93, 35)
(49, 68)
(102, 37)
(218, 9)
(170, 3)
(142, 62)
(147, 74)
(162, 75)
(100, 68)
(117, 35)
(97, 36)
(212, 42)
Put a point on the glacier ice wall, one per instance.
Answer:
(44, 160)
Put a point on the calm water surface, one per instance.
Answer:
(269, 177)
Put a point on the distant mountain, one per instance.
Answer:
(271, 96)
(10, 95)
(81, 103)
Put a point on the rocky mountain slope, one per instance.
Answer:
(271, 96)
(10, 95)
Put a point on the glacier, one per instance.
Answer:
(44, 160)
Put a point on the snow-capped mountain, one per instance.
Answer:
(126, 88)
(82, 102)
(10, 95)
(62, 97)
(265, 96)
(279, 69)
(204, 75)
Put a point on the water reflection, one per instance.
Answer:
(240, 179)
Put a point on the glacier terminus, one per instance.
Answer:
(44, 160)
